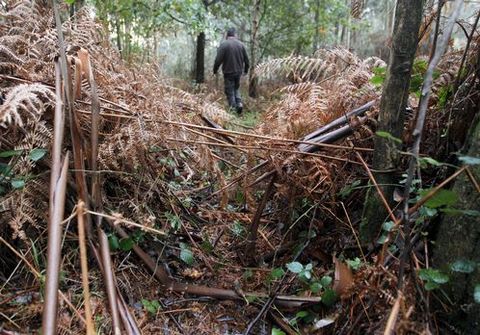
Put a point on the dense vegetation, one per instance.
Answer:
(345, 200)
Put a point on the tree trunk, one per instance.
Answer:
(459, 236)
(200, 59)
(252, 79)
(391, 118)
(316, 39)
(119, 36)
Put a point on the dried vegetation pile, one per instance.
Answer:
(208, 206)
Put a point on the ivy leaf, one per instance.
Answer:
(17, 183)
(151, 306)
(276, 331)
(307, 275)
(316, 287)
(186, 254)
(277, 273)
(476, 294)
(37, 154)
(295, 267)
(174, 219)
(10, 153)
(354, 264)
(326, 281)
(382, 239)
(126, 244)
(469, 160)
(237, 228)
(387, 226)
(329, 297)
(463, 266)
(441, 198)
(379, 76)
(433, 275)
(301, 314)
(113, 242)
(425, 161)
(387, 135)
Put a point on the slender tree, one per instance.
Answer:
(252, 82)
(392, 110)
(458, 236)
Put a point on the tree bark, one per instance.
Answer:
(252, 79)
(459, 236)
(200, 59)
(316, 39)
(391, 117)
(119, 36)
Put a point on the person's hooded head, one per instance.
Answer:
(231, 32)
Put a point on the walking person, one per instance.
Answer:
(233, 57)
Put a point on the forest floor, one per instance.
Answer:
(190, 197)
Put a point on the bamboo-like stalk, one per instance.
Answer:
(56, 208)
(49, 317)
(75, 131)
(340, 121)
(58, 129)
(109, 280)
(95, 186)
(264, 148)
(90, 328)
(270, 138)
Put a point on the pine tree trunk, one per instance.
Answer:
(391, 118)
(200, 59)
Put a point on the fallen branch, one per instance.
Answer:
(265, 148)
(84, 266)
(252, 236)
(340, 121)
(170, 284)
(212, 124)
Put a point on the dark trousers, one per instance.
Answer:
(232, 86)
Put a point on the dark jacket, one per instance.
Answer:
(232, 56)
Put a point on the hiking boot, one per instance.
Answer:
(239, 109)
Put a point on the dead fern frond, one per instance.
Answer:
(356, 8)
(297, 68)
(24, 101)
